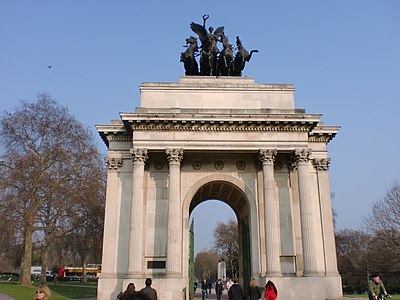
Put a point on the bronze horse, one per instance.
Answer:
(242, 56)
(188, 57)
(225, 60)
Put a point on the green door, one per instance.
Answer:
(191, 260)
(246, 255)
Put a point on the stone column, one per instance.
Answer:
(271, 214)
(135, 259)
(306, 214)
(109, 265)
(322, 166)
(174, 247)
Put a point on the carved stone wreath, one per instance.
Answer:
(197, 165)
(158, 165)
(240, 165)
(218, 165)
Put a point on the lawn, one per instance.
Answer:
(60, 291)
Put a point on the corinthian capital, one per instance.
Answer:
(267, 155)
(139, 154)
(174, 155)
(321, 164)
(114, 163)
(302, 155)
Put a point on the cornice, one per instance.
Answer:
(114, 132)
(323, 134)
(251, 121)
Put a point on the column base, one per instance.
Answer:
(273, 274)
(133, 275)
(173, 275)
(312, 273)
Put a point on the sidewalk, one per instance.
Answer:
(197, 296)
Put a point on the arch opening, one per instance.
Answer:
(233, 196)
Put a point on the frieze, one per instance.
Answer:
(320, 139)
(224, 127)
(119, 138)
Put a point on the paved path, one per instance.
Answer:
(6, 297)
(197, 296)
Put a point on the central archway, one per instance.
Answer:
(233, 192)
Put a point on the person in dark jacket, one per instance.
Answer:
(219, 288)
(254, 292)
(129, 289)
(148, 290)
(203, 289)
(236, 291)
(376, 289)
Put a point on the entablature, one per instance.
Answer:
(230, 120)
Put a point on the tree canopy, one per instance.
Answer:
(226, 243)
(51, 175)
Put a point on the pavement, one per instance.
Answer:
(6, 297)
(197, 296)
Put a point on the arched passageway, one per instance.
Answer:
(235, 198)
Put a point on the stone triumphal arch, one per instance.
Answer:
(224, 138)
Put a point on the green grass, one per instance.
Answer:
(60, 291)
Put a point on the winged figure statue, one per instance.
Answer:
(209, 49)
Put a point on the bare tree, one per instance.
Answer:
(384, 223)
(385, 215)
(226, 243)
(47, 157)
(353, 248)
(206, 264)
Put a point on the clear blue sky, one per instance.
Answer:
(342, 56)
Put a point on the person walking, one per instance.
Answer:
(254, 292)
(203, 289)
(148, 290)
(219, 288)
(129, 290)
(270, 293)
(235, 291)
(229, 283)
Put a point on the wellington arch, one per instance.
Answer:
(229, 139)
